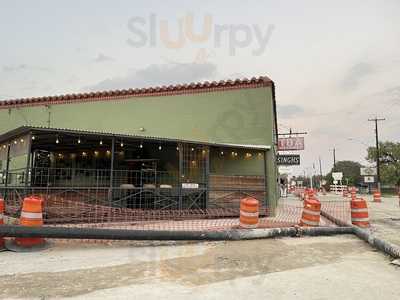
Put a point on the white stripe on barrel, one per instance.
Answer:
(31, 215)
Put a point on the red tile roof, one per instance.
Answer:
(179, 89)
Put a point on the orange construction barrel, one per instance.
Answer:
(249, 212)
(311, 213)
(359, 212)
(377, 196)
(31, 215)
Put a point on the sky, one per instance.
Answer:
(335, 63)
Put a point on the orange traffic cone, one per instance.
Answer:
(31, 215)
(1, 223)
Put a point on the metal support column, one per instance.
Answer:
(7, 164)
(207, 174)
(180, 146)
(28, 160)
(110, 191)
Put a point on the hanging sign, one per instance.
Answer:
(337, 176)
(369, 179)
(368, 171)
(290, 143)
(288, 160)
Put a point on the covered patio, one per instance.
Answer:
(79, 172)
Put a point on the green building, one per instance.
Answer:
(196, 148)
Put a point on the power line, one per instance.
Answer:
(378, 173)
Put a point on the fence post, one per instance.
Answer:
(110, 191)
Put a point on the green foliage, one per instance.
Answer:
(350, 170)
(390, 162)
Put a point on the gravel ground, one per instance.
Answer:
(340, 267)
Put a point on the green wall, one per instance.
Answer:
(235, 116)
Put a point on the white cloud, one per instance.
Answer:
(161, 74)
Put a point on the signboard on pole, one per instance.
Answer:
(285, 170)
(338, 176)
(288, 160)
(369, 179)
(290, 143)
(368, 171)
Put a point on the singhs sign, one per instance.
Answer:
(290, 143)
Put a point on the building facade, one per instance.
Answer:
(197, 146)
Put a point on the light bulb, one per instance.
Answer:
(101, 142)
(57, 141)
(159, 147)
(141, 145)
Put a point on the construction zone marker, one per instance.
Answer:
(359, 212)
(311, 213)
(249, 213)
(31, 216)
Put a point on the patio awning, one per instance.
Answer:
(23, 130)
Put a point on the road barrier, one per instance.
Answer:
(377, 197)
(311, 213)
(359, 212)
(249, 213)
(31, 216)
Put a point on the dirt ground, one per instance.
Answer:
(340, 267)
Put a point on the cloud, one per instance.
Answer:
(23, 67)
(103, 58)
(391, 95)
(289, 111)
(161, 74)
(355, 74)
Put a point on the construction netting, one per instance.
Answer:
(84, 209)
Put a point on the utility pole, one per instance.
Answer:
(377, 157)
(320, 171)
(334, 158)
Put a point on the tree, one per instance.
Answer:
(390, 162)
(350, 170)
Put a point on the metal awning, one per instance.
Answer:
(23, 130)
